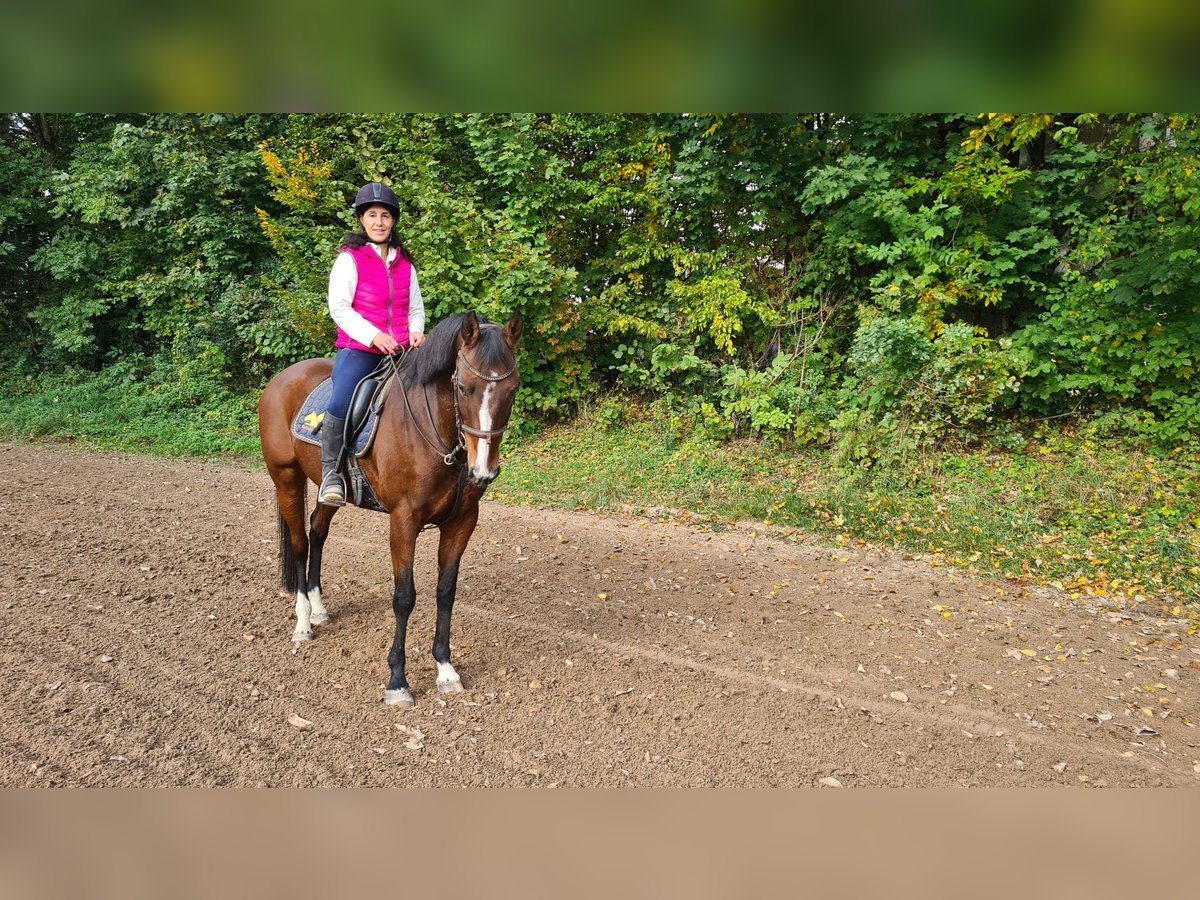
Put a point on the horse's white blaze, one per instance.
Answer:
(483, 447)
(447, 677)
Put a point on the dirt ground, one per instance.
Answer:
(146, 643)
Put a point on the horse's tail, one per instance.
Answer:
(288, 576)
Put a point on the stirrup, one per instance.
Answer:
(333, 490)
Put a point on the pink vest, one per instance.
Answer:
(381, 297)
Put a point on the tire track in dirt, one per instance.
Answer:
(728, 659)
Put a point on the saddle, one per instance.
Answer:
(362, 421)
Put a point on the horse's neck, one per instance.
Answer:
(434, 400)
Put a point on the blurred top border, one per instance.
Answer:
(913, 55)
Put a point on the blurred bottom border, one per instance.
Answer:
(663, 843)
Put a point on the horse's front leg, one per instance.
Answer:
(404, 597)
(451, 547)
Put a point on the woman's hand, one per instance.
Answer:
(385, 342)
(416, 339)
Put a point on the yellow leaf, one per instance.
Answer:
(1029, 652)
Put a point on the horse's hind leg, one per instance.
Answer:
(318, 530)
(293, 547)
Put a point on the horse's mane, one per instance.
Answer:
(438, 355)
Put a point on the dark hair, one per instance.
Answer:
(356, 239)
(439, 354)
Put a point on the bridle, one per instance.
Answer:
(449, 454)
(462, 428)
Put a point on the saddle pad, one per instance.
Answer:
(307, 423)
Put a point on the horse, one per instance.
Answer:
(436, 449)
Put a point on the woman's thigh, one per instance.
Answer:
(349, 368)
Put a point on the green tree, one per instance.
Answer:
(155, 223)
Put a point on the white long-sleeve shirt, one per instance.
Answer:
(343, 282)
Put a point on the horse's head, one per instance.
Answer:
(485, 384)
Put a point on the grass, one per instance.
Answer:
(169, 418)
(1093, 518)
(1096, 519)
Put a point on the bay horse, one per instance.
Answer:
(436, 449)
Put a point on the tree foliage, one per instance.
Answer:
(876, 282)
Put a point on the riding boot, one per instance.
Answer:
(333, 487)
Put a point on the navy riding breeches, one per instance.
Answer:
(350, 366)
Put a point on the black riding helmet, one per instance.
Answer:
(372, 193)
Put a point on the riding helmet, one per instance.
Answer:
(374, 192)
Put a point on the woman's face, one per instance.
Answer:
(377, 221)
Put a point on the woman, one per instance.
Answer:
(376, 302)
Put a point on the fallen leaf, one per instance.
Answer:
(899, 695)
(302, 724)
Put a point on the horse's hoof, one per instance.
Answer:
(402, 697)
(299, 635)
(321, 619)
(450, 687)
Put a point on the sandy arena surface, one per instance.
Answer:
(147, 643)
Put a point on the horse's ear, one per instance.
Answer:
(512, 331)
(470, 330)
